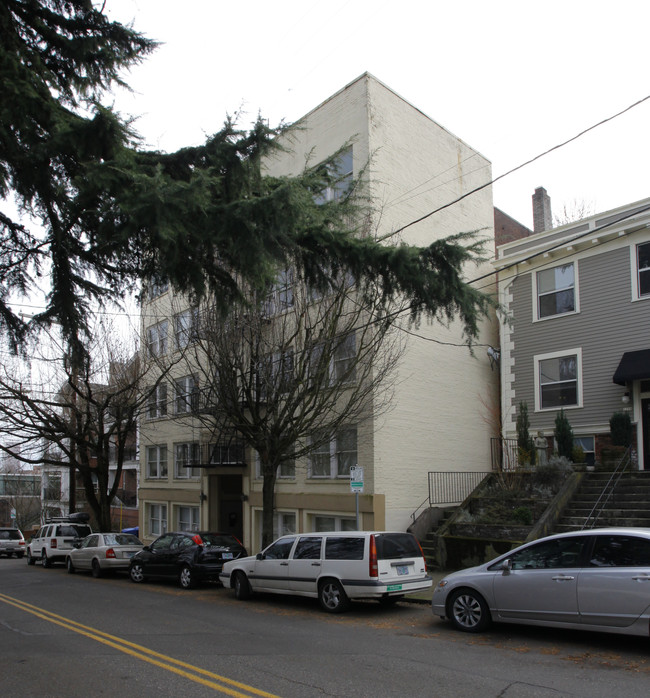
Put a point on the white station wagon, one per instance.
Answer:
(334, 567)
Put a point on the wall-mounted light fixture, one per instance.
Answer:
(203, 497)
(626, 398)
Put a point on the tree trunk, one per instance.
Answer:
(268, 504)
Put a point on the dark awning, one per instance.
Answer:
(634, 365)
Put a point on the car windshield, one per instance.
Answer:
(218, 540)
(121, 539)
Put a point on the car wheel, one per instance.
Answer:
(69, 565)
(242, 586)
(96, 569)
(136, 573)
(30, 559)
(45, 559)
(186, 578)
(468, 611)
(332, 596)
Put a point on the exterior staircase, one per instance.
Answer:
(628, 505)
(429, 543)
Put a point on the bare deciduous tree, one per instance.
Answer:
(286, 373)
(87, 424)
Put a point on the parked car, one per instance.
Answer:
(103, 552)
(333, 567)
(53, 540)
(597, 579)
(189, 557)
(12, 542)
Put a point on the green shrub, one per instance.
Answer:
(525, 443)
(621, 429)
(563, 435)
(523, 515)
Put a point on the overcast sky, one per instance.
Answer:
(510, 78)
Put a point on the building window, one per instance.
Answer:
(187, 455)
(157, 401)
(334, 458)
(286, 470)
(333, 523)
(279, 297)
(284, 523)
(341, 170)
(156, 462)
(275, 374)
(556, 291)
(157, 519)
(186, 327)
(643, 270)
(228, 452)
(157, 288)
(51, 487)
(157, 339)
(558, 380)
(587, 444)
(188, 519)
(187, 395)
(344, 362)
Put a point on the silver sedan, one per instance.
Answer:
(590, 580)
(103, 552)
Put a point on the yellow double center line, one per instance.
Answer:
(188, 671)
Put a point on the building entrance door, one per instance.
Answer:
(226, 494)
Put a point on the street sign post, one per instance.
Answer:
(356, 486)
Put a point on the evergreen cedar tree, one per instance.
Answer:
(105, 213)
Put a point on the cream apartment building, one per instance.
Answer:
(439, 415)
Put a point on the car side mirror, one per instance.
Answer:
(146, 547)
(506, 566)
(259, 556)
(76, 544)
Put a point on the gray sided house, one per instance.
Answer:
(577, 332)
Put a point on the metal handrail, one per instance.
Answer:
(608, 490)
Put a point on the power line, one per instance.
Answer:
(519, 167)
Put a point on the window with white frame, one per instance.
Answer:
(156, 462)
(188, 518)
(229, 451)
(186, 398)
(157, 288)
(333, 523)
(186, 327)
(279, 297)
(340, 169)
(344, 360)
(643, 270)
(588, 446)
(157, 338)
(334, 458)
(558, 379)
(157, 519)
(286, 469)
(275, 374)
(187, 455)
(284, 523)
(556, 291)
(157, 401)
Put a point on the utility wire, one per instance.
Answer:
(519, 167)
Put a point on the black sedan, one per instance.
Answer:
(189, 557)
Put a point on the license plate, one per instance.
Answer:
(226, 556)
(402, 569)
(127, 554)
(394, 587)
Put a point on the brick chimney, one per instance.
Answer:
(542, 217)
